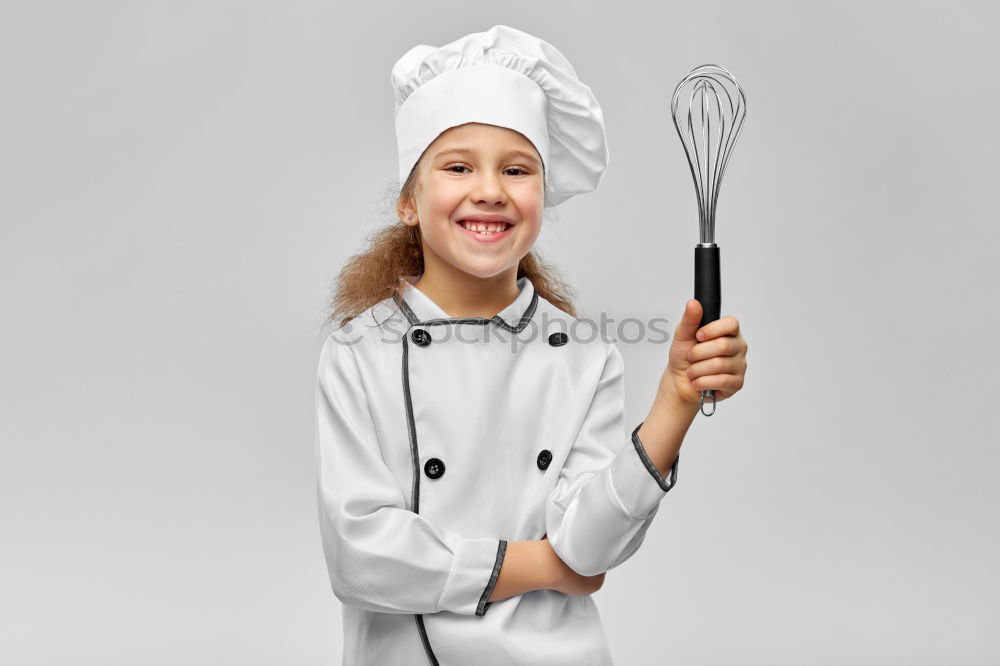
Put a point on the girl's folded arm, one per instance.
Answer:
(608, 491)
(381, 556)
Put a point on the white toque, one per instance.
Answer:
(508, 78)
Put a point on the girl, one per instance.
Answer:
(474, 478)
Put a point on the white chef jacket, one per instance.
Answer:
(439, 440)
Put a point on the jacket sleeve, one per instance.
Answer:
(380, 555)
(608, 490)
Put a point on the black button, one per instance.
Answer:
(558, 339)
(421, 337)
(544, 458)
(434, 468)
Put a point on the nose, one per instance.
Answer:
(488, 189)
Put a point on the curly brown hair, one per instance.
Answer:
(395, 251)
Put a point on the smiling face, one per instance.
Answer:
(490, 174)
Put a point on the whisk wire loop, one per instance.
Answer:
(719, 127)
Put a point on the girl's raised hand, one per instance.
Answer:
(712, 357)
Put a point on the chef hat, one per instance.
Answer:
(508, 78)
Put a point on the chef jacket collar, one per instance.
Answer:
(419, 308)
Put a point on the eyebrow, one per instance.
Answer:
(469, 152)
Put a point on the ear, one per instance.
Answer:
(407, 213)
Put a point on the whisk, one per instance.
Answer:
(715, 114)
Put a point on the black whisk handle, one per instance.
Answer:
(708, 292)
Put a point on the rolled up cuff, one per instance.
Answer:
(476, 565)
(636, 480)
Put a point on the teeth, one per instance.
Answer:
(484, 227)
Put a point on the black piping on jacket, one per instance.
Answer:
(411, 317)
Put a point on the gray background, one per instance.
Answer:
(181, 181)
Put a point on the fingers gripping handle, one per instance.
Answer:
(708, 292)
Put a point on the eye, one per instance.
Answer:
(519, 170)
